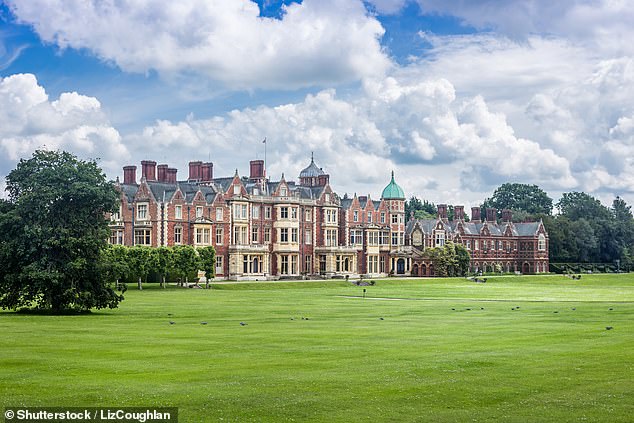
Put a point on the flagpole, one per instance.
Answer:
(264, 157)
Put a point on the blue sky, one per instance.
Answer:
(456, 96)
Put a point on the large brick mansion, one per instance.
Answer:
(263, 229)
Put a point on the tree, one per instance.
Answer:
(140, 262)
(186, 261)
(450, 259)
(114, 263)
(515, 196)
(421, 209)
(52, 233)
(208, 263)
(578, 205)
(162, 261)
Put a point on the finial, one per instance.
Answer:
(392, 176)
(312, 157)
(236, 172)
(282, 175)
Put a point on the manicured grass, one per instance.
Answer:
(422, 362)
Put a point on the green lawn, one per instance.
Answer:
(422, 362)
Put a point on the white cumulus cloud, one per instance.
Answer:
(317, 42)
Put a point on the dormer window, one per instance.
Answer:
(283, 192)
(356, 216)
(236, 190)
(327, 197)
(199, 211)
(142, 211)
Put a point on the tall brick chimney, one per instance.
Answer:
(491, 214)
(129, 175)
(475, 214)
(442, 211)
(507, 215)
(171, 175)
(257, 169)
(195, 171)
(148, 170)
(206, 172)
(161, 172)
(458, 213)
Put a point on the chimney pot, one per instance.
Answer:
(129, 175)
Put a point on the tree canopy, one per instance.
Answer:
(520, 197)
(52, 233)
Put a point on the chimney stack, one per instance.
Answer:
(507, 215)
(458, 213)
(161, 172)
(148, 170)
(475, 214)
(170, 176)
(195, 171)
(442, 211)
(206, 172)
(129, 175)
(491, 214)
(257, 169)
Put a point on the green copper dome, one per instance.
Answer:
(392, 191)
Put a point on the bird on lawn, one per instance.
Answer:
(609, 328)
(172, 322)
(381, 318)
(203, 323)
(243, 324)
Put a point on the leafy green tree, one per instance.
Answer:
(114, 263)
(186, 261)
(140, 262)
(208, 263)
(579, 205)
(421, 209)
(520, 197)
(162, 261)
(52, 233)
(449, 260)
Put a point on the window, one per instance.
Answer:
(394, 238)
(142, 237)
(178, 212)
(236, 190)
(219, 269)
(293, 265)
(394, 218)
(331, 237)
(355, 216)
(284, 235)
(475, 244)
(283, 192)
(219, 215)
(385, 238)
(417, 238)
(356, 237)
(294, 237)
(284, 265)
(382, 264)
(327, 198)
(373, 264)
(373, 238)
(116, 237)
(322, 263)
(142, 211)
(202, 236)
(240, 235)
(331, 216)
(240, 211)
(199, 211)
(307, 264)
(178, 235)
(541, 242)
(369, 217)
(255, 212)
(468, 244)
(267, 212)
(283, 212)
(255, 231)
(294, 213)
(308, 236)
(382, 217)
(116, 216)
(267, 235)
(439, 239)
(219, 236)
(308, 215)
